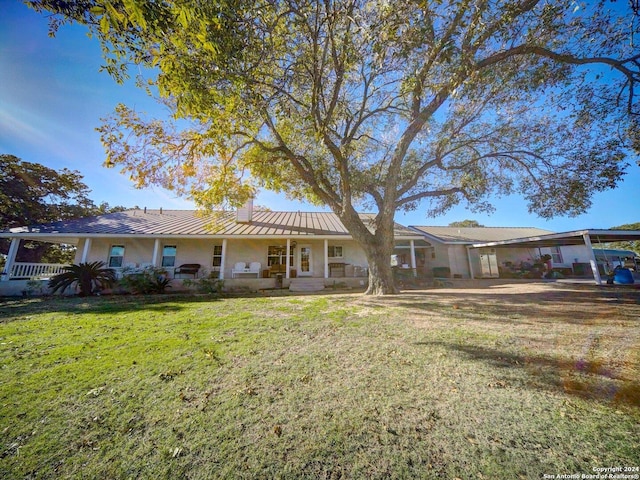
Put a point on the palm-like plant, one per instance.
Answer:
(86, 276)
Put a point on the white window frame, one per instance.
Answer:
(556, 254)
(332, 251)
(276, 255)
(175, 256)
(112, 256)
(217, 255)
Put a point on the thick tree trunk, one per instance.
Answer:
(381, 281)
(378, 247)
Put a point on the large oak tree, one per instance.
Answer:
(375, 104)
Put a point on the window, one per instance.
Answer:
(169, 255)
(334, 251)
(277, 255)
(116, 256)
(217, 257)
(556, 255)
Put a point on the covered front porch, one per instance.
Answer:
(252, 263)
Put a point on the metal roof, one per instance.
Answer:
(566, 238)
(470, 235)
(191, 223)
(608, 252)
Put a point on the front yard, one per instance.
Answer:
(505, 382)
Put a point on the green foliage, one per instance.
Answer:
(454, 385)
(32, 194)
(633, 245)
(466, 223)
(88, 278)
(367, 105)
(210, 285)
(147, 281)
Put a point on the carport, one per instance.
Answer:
(578, 237)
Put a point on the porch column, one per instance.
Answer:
(85, 250)
(592, 259)
(223, 259)
(11, 258)
(287, 261)
(156, 250)
(412, 249)
(326, 258)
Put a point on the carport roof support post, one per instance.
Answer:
(592, 259)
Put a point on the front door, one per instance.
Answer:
(305, 267)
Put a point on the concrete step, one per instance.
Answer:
(306, 284)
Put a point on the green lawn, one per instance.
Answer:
(434, 384)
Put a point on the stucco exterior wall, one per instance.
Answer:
(140, 251)
(516, 255)
(441, 257)
(574, 254)
(137, 250)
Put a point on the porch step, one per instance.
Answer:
(306, 284)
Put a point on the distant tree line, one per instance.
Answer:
(633, 245)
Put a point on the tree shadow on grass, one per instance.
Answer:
(13, 310)
(566, 306)
(582, 378)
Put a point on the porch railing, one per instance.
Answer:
(35, 270)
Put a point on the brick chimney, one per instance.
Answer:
(244, 214)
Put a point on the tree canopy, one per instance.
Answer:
(32, 194)
(371, 104)
(466, 223)
(632, 245)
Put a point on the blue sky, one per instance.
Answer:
(52, 97)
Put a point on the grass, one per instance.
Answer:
(434, 384)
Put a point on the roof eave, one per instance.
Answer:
(595, 235)
(50, 235)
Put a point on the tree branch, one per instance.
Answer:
(633, 76)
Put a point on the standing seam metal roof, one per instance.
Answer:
(479, 234)
(191, 222)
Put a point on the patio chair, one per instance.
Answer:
(255, 267)
(239, 267)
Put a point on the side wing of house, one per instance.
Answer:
(453, 255)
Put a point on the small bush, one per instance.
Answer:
(147, 281)
(211, 284)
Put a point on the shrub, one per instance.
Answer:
(89, 278)
(211, 284)
(149, 280)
